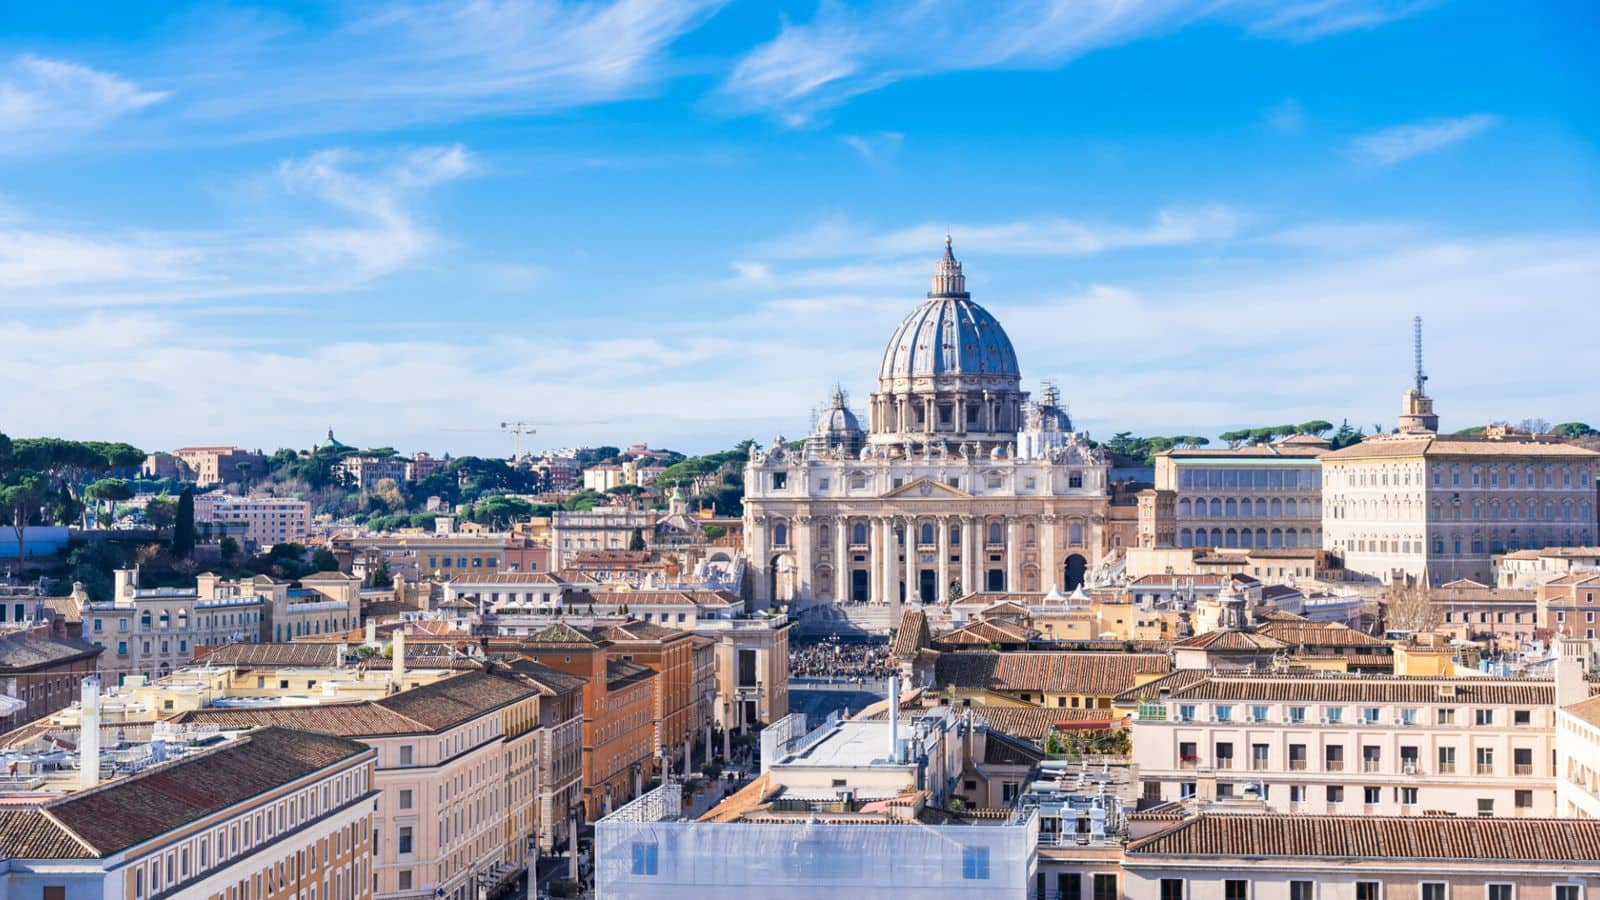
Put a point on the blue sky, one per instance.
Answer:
(682, 222)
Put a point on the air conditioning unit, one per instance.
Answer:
(1329, 720)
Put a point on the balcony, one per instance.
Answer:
(1188, 762)
(1297, 765)
(1224, 762)
(1371, 765)
(1447, 768)
(1334, 765)
(1485, 768)
(1523, 768)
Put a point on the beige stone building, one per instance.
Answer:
(1434, 508)
(1328, 744)
(1266, 496)
(267, 520)
(959, 483)
(220, 465)
(151, 632)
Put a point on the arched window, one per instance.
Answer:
(955, 535)
(823, 533)
(1185, 538)
(1029, 535)
(1261, 537)
(994, 532)
(1291, 539)
(1230, 508)
(1291, 508)
(1184, 507)
(1247, 538)
(1276, 507)
(1075, 533)
(1230, 538)
(1200, 509)
(780, 535)
(1261, 509)
(858, 533)
(1277, 538)
(1075, 480)
(926, 533)
(1216, 537)
(1216, 509)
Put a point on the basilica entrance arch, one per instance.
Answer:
(1073, 572)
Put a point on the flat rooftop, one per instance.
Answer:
(851, 743)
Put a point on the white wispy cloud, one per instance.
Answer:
(876, 146)
(1042, 236)
(423, 61)
(358, 227)
(845, 51)
(1401, 142)
(42, 98)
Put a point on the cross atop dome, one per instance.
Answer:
(947, 278)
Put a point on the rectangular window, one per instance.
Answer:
(975, 863)
(1369, 890)
(1522, 717)
(1105, 887)
(1235, 889)
(1568, 892)
(1335, 793)
(1172, 889)
(645, 857)
(405, 799)
(407, 755)
(1434, 890)
(403, 843)
(405, 879)
(1483, 716)
(1302, 890)
(1408, 796)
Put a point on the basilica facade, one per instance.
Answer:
(959, 484)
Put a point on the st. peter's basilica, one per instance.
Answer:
(959, 484)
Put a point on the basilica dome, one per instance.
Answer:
(949, 375)
(948, 334)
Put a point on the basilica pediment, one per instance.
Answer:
(927, 488)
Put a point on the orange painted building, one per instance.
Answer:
(619, 724)
(680, 713)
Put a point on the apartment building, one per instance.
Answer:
(322, 603)
(364, 472)
(41, 673)
(419, 555)
(1333, 744)
(1058, 680)
(1479, 612)
(273, 813)
(1280, 857)
(457, 775)
(151, 632)
(266, 520)
(601, 528)
(619, 701)
(220, 465)
(1569, 605)
(1531, 568)
(680, 714)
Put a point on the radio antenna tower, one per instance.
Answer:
(1422, 380)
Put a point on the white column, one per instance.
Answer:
(911, 561)
(1049, 575)
(1013, 558)
(874, 561)
(803, 561)
(942, 590)
(969, 553)
(841, 559)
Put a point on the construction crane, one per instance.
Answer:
(518, 428)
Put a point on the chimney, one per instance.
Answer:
(399, 656)
(89, 734)
(344, 651)
(894, 718)
(1570, 685)
(372, 632)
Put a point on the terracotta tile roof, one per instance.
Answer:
(1178, 581)
(144, 806)
(621, 672)
(1458, 445)
(1004, 608)
(1099, 674)
(1035, 723)
(509, 578)
(19, 653)
(912, 634)
(640, 631)
(1587, 710)
(657, 598)
(1319, 634)
(420, 710)
(1325, 688)
(353, 720)
(450, 701)
(1231, 640)
(553, 680)
(271, 656)
(30, 834)
(1152, 689)
(560, 633)
(984, 633)
(1360, 837)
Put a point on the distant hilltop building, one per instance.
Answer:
(959, 483)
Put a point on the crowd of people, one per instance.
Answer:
(836, 660)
